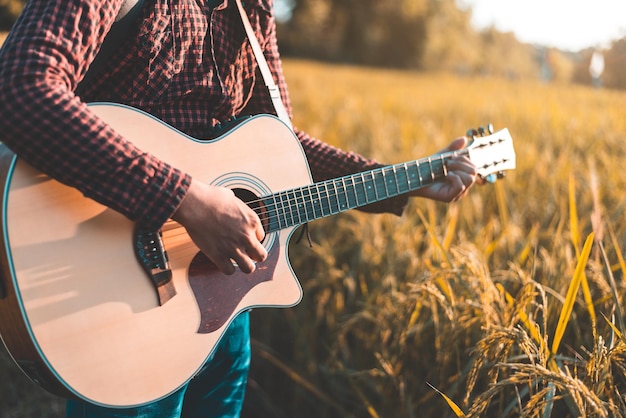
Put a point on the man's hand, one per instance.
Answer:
(462, 175)
(222, 226)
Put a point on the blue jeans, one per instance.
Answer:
(217, 391)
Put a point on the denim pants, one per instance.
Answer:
(217, 391)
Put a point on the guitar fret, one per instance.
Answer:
(287, 209)
(402, 180)
(269, 218)
(419, 171)
(444, 168)
(297, 198)
(336, 191)
(346, 204)
(293, 208)
(284, 209)
(277, 212)
(301, 206)
(321, 199)
(372, 187)
(359, 189)
(336, 194)
(312, 205)
(352, 187)
(329, 201)
(394, 181)
(408, 177)
(330, 191)
(430, 166)
(382, 184)
(310, 208)
(384, 180)
(364, 187)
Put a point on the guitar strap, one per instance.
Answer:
(272, 88)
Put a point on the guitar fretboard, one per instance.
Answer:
(304, 204)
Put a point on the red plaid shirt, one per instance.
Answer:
(186, 63)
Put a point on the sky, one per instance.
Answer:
(569, 25)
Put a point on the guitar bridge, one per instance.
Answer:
(152, 257)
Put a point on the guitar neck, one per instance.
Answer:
(304, 204)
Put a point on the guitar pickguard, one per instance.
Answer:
(218, 294)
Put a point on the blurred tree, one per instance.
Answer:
(502, 55)
(561, 66)
(9, 10)
(581, 67)
(417, 34)
(613, 76)
(451, 40)
(381, 33)
(615, 62)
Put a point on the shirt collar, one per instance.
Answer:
(221, 4)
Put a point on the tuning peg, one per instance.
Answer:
(472, 133)
(481, 131)
(491, 178)
(486, 131)
(501, 174)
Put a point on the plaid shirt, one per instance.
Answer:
(188, 62)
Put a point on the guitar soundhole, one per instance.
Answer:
(253, 201)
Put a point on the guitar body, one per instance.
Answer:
(81, 317)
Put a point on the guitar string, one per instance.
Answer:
(270, 213)
(292, 204)
(170, 232)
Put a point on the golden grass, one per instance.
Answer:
(469, 298)
(492, 300)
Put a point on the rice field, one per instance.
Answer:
(508, 303)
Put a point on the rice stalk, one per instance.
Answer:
(576, 242)
(613, 285)
(453, 212)
(503, 210)
(573, 215)
(298, 379)
(566, 311)
(614, 291)
(529, 324)
(435, 240)
(596, 213)
(529, 244)
(618, 251)
(455, 408)
(539, 380)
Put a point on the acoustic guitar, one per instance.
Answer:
(93, 308)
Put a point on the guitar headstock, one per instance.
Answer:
(491, 152)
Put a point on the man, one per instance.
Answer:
(189, 63)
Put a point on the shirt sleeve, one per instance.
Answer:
(41, 62)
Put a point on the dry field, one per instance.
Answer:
(508, 303)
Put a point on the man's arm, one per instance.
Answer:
(44, 123)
